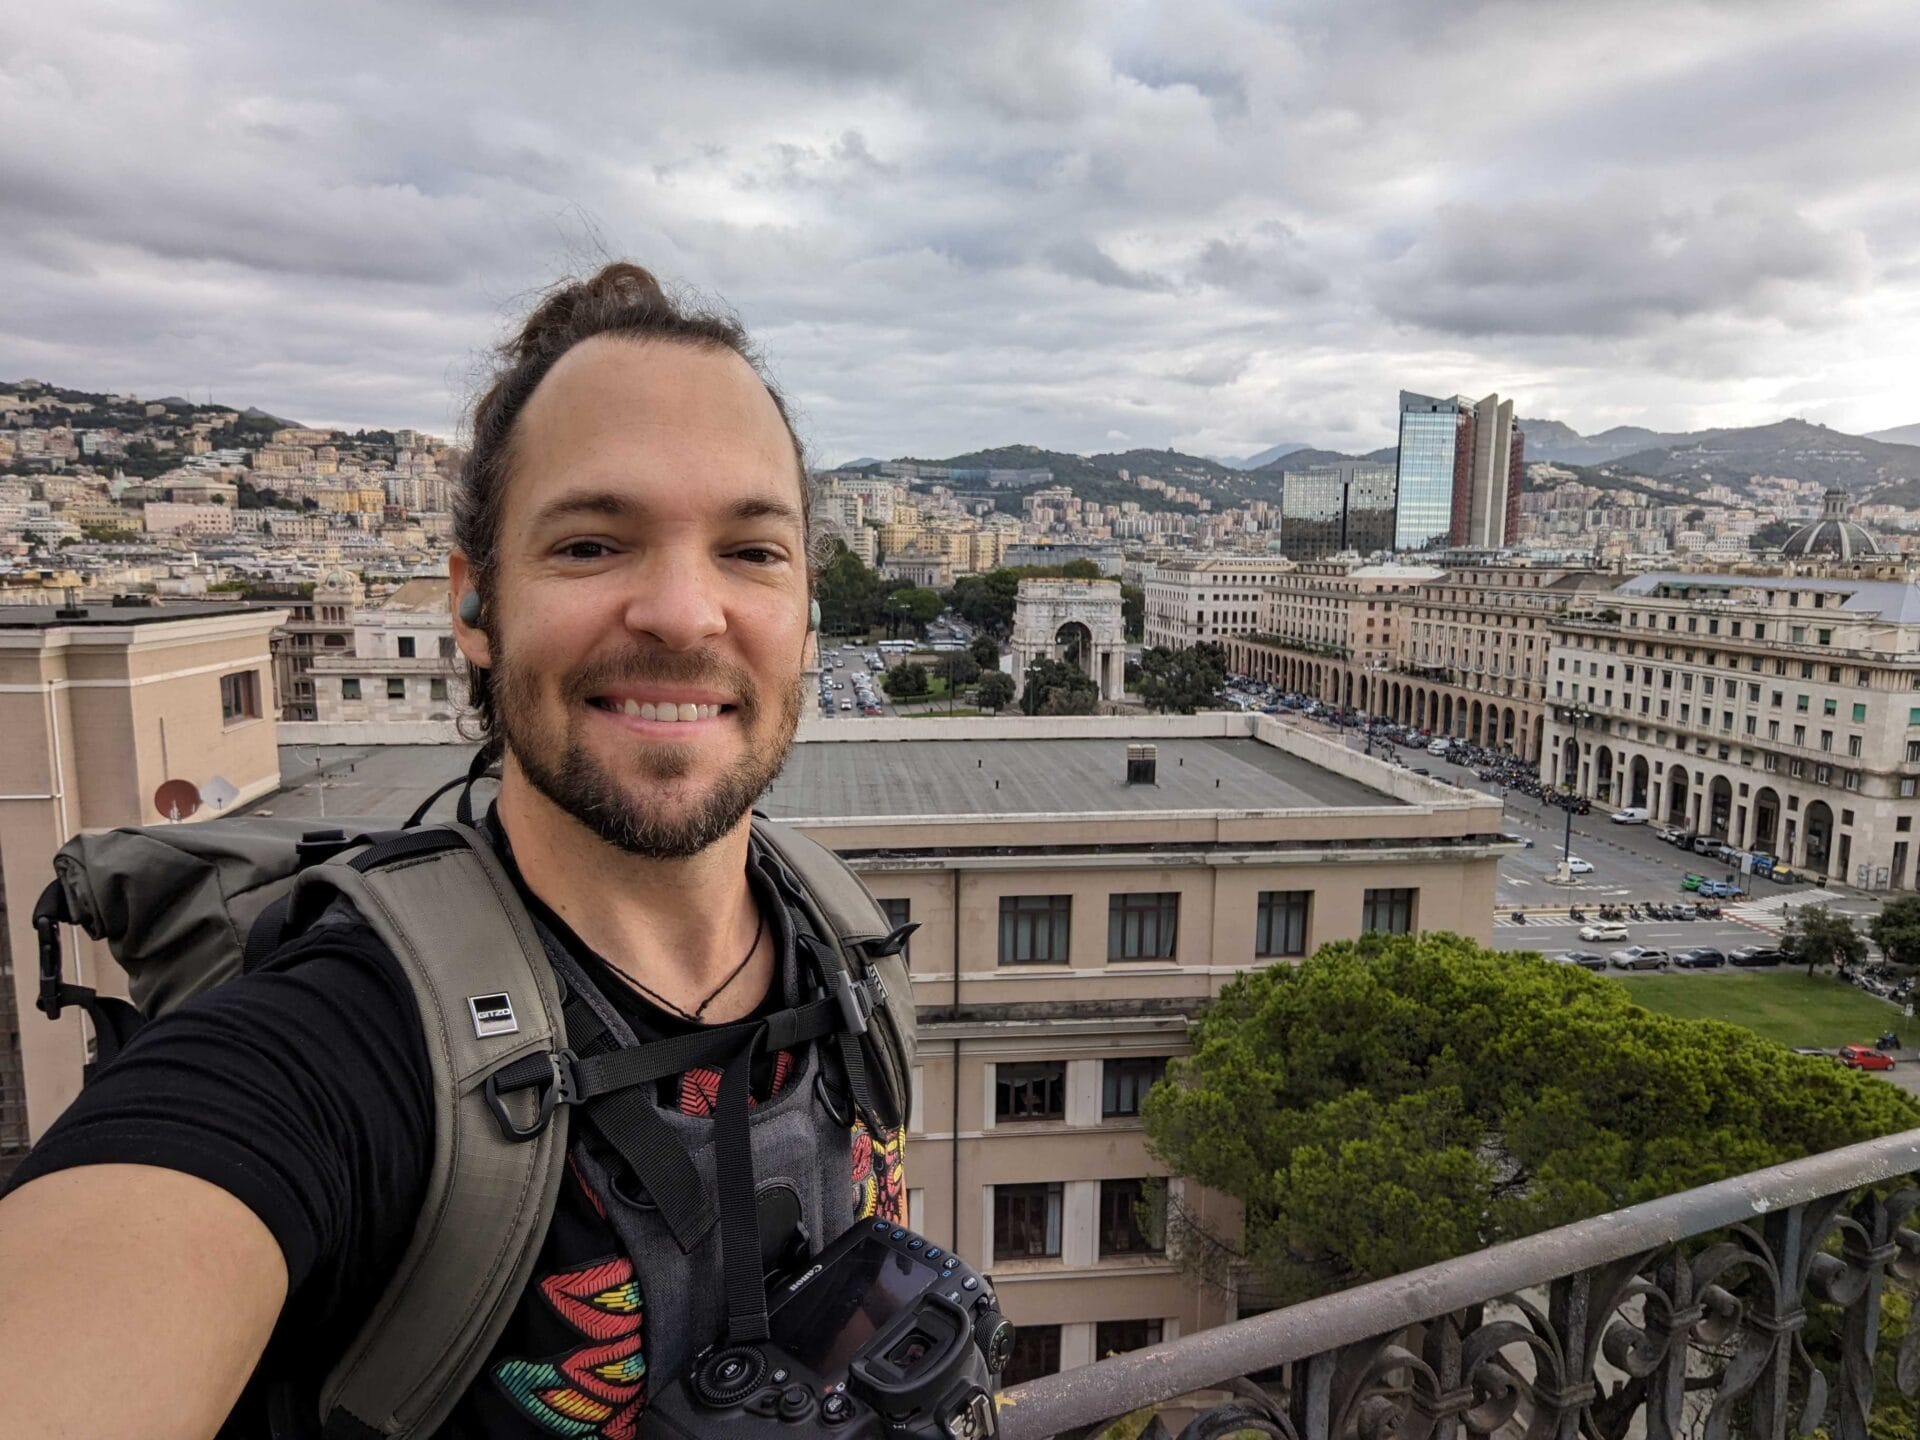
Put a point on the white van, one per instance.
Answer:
(1440, 746)
(1632, 815)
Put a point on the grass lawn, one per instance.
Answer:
(1784, 1006)
(958, 711)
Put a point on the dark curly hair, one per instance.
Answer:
(621, 300)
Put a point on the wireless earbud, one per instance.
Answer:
(470, 607)
(813, 615)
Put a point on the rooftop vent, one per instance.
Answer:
(1142, 763)
(72, 609)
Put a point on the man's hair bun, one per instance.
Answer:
(622, 297)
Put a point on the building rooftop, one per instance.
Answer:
(47, 617)
(843, 779)
(1051, 777)
(1894, 601)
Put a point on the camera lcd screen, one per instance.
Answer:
(825, 1324)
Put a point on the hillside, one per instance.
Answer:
(1899, 435)
(1792, 448)
(1096, 478)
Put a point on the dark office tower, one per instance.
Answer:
(1459, 473)
(1325, 509)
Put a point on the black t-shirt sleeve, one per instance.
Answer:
(302, 1089)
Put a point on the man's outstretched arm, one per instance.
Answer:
(134, 1304)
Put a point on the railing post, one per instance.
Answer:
(1784, 1232)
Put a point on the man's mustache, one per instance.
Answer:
(655, 667)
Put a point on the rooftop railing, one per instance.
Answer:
(1682, 1317)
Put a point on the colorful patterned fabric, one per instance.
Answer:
(879, 1175)
(598, 1388)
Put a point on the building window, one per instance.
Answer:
(1281, 925)
(446, 647)
(899, 912)
(1800, 703)
(1141, 927)
(1859, 714)
(396, 687)
(1036, 1352)
(1033, 929)
(1034, 1090)
(1829, 707)
(406, 647)
(1388, 912)
(350, 688)
(1026, 1221)
(1121, 1232)
(1124, 1083)
(1119, 1337)
(436, 689)
(240, 696)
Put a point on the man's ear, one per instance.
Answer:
(468, 634)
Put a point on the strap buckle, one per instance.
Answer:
(558, 1086)
(854, 1000)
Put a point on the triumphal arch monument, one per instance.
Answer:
(1075, 621)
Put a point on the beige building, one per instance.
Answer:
(1074, 913)
(317, 627)
(1468, 656)
(402, 666)
(1780, 713)
(1206, 600)
(99, 705)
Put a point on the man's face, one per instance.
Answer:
(648, 618)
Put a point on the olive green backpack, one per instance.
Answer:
(186, 907)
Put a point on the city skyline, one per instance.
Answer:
(1087, 228)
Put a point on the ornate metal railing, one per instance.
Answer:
(1679, 1319)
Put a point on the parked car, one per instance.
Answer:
(1632, 815)
(1707, 845)
(1577, 866)
(1719, 890)
(1665, 834)
(1864, 1057)
(1638, 957)
(1683, 839)
(1691, 881)
(1439, 747)
(1585, 959)
(1603, 930)
(1754, 957)
(1700, 957)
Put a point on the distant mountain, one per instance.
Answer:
(1096, 478)
(1796, 449)
(1267, 456)
(1899, 435)
(1552, 440)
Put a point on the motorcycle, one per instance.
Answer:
(1519, 917)
(1574, 912)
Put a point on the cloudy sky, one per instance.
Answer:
(1086, 226)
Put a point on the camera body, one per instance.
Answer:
(881, 1337)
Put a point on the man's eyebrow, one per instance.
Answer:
(621, 506)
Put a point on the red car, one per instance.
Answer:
(1864, 1057)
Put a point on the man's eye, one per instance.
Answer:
(583, 550)
(759, 555)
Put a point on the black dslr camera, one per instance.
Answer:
(883, 1335)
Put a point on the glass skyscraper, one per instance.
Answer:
(1430, 442)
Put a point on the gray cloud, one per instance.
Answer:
(1210, 225)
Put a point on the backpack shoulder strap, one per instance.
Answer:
(442, 902)
(864, 947)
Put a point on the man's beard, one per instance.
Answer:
(557, 762)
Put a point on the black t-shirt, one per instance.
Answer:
(303, 1089)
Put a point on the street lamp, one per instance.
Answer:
(1575, 715)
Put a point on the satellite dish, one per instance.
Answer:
(219, 792)
(176, 799)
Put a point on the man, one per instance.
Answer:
(195, 1242)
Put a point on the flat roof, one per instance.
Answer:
(852, 779)
(47, 617)
(1051, 777)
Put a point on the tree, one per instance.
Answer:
(1396, 1101)
(1133, 611)
(1056, 688)
(1817, 936)
(1695, 516)
(1772, 535)
(905, 682)
(985, 651)
(849, 594)
(960, 668)
(995, 692)
(1183, 680)
(1896, 930)
(913, 605)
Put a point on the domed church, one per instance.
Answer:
(1834, 535)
